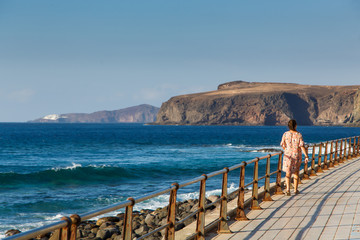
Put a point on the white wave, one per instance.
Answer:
(310, 149)
(73, 166)
(218, 191)
(57, 217)
(22, 227)
(154, 203)
(329, 150)
(239, 146)
(99, 166)
(257, 149)
(163, 200)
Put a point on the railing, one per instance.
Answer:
(335, 152)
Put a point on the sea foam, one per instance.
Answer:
(73, 166)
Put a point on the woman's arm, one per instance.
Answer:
(303, 149)
(283, 143)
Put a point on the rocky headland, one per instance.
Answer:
(138, 114)
(255, 103)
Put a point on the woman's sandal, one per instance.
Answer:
(287, 193)
(297, 192)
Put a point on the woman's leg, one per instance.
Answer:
(287, 181)
(296, 181)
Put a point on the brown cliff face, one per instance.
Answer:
(245, 103)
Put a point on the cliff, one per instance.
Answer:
(138, 114)
(253, 103)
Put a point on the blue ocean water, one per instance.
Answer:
(51, 170)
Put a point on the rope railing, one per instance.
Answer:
(324, 155)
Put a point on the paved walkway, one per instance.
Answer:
(327, 208)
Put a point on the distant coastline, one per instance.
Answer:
(143, 113)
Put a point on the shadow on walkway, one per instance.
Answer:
(319, 207)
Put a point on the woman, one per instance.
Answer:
(292, 142)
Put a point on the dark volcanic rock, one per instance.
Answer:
(107, 219)
(267, 150)
(245, 103)
(11, 232)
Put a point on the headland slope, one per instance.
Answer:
(256, 103)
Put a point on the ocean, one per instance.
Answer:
(51, 170)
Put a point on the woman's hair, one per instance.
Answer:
(292, 124)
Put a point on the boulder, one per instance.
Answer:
(149, 219)
(107, 219)
(142, 230)
(12, 232)
(107, 232)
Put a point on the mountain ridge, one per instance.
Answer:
(143, 113)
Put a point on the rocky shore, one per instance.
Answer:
(144, 221)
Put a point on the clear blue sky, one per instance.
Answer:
(70, 56)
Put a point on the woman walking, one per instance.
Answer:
(292, 142)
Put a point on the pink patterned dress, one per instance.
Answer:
(292, 143)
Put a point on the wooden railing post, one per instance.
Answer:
(325, 157)
(267, 196)
(341, 154)
(306, 170)
(354, 151)
(170, 230)
(127, 228)
(354, 148)
(200, 225)
(255, 191)
(75, 221)
(312, 172)
(345, 146)
(278, 190)
(66, 231)
(331, 164)
(223, 225)
(349, 149)
(336, 153)
(358, 146)
(240, 211)
(319, 169)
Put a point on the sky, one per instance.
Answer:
(82, 56)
